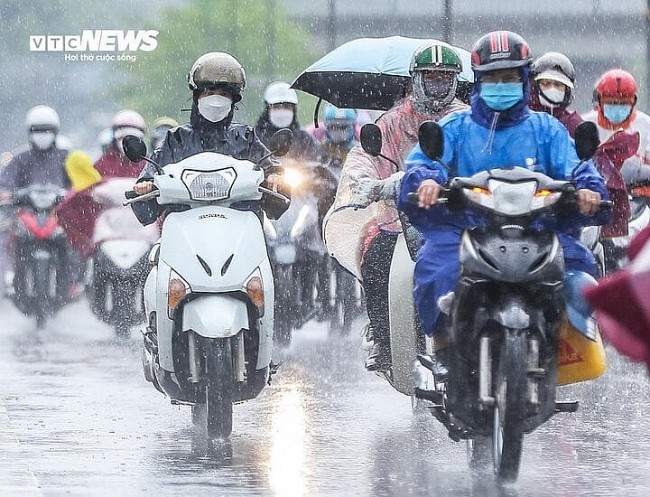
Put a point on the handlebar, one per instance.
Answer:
(134, 197)
(286, 200)
(413, 198)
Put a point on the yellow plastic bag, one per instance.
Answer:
(579, 359)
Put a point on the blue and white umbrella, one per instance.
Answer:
(368, 73)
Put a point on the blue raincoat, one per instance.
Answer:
(480, 139)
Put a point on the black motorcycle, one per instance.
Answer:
(505, 316)
(41, 276)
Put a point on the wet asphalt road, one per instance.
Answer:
(77, 418)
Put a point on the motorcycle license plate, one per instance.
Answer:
(285, 254)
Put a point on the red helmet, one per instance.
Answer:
(617, 83)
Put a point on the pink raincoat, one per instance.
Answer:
(348, 232)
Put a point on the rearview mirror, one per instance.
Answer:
(431, 139)
(371, 139)
(134, 148)
(587, 140)
(280, 142)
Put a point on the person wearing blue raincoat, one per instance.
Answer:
(498, 130)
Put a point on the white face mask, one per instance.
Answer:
(42, 140)
(215, 108)
(552, 97)
(281, 118)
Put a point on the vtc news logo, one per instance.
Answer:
(103, 40)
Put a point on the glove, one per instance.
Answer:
(369, 190)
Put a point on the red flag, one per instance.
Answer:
(622, 303)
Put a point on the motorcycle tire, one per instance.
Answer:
(42, 296)
(219, 388)
(509, 415)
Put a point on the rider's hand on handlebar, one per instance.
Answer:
(428, 193)
(143, 187)
(588, 202)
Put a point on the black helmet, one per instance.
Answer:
(500, 50)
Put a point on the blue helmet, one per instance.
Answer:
(335, 114)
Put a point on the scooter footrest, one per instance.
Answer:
(567, 406)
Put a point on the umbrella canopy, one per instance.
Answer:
(368, 73)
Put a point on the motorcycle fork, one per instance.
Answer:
(485, 397)
(194, 358)
(238, 358)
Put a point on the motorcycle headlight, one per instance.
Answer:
(511, 199)
(210, 185)
(293, 178)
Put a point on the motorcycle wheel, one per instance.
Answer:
(510, 406)
(218, 388)
(42, 283)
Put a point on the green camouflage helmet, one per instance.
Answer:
(436, 56)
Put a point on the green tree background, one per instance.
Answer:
(259, 34)
(86, 94)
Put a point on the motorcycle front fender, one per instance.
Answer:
(215, 316)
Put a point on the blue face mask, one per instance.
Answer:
(616, 113)
(501, 96)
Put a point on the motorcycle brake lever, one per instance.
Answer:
(142, 198)
(275, 194)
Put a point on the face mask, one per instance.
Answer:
(437, 90)
(215, 108)
(281, 118)
(552, 97)
(501, 96)
(616, 113)
(42, 140)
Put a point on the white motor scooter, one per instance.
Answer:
(209, 297)
(119, 266)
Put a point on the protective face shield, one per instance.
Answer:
(42, 140)
(215, 108)
(281, 118)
